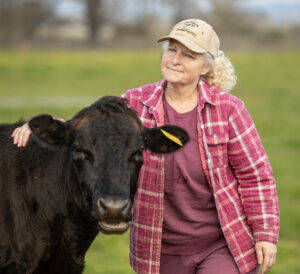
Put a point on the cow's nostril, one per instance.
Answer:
(112, 209)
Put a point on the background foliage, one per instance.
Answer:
(61, 83)
(240, 24)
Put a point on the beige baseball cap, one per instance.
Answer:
(196, 35)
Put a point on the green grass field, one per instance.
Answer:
(61, 83)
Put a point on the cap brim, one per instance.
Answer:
(186, 42)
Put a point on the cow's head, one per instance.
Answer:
(107, 141)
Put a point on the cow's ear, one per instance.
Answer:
(165, 139)
(49, 130)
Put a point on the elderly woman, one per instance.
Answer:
(211, 207)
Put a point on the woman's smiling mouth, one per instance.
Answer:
(175, 70)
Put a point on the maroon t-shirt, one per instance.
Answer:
(190, 217)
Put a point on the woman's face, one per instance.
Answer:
(181, 65)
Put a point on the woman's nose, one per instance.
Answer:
(176, 59)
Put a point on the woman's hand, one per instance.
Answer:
(21, 135)
(266, 254)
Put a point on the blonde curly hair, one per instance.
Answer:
(221, 74)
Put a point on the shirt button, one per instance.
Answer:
(216, 141)
(158, 217)
(151, 109)
(157, 246)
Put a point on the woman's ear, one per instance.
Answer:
(205, 69)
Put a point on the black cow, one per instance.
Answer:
(70, 181)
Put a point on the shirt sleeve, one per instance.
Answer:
(128, 95)
(252, 169)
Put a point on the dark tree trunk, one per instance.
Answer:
(93, 17)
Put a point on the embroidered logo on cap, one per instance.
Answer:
(187, 27)
(190, 25)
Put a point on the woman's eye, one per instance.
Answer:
(189, 56)
(171, 49)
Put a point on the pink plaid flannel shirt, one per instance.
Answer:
(235, 164)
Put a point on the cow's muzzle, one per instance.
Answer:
(114, 213)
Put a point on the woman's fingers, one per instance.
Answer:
(259, 254)
(26, 134)
(14, 133)
(21, 135)
(267, 264)
(266, 254)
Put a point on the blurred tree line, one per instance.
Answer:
(130, 23)
(19, 19)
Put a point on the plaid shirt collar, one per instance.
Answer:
(154, 99)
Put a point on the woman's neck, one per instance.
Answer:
(182, 98)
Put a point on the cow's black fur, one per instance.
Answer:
(51, 190)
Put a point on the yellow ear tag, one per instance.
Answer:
(171, 137)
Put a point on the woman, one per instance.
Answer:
(211, 207)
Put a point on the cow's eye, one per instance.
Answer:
(81, 153)
(78, 153)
